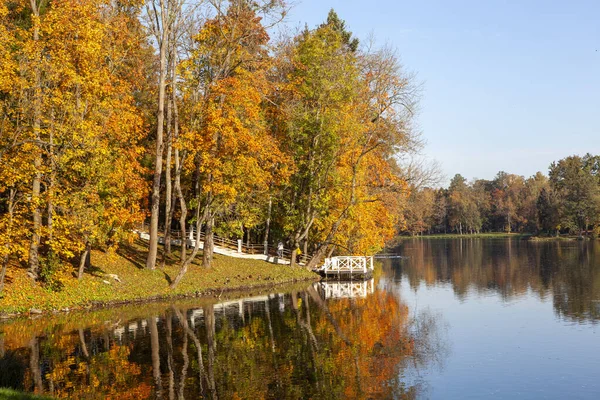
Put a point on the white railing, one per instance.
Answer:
(349, 264)
(232, 244)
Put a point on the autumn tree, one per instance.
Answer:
(162, 16)
(346, 118)
(528, 206)
(547, 207)
(419, 212)
(505, 198)
(576, 181)
(320, 85)
(228, 148)
(73, 127)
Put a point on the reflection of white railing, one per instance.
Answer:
(196, 316)
(350, 289)
(349, 264)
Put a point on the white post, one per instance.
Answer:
(239, 245)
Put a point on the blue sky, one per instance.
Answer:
(508, 85)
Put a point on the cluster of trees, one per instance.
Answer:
(188, 114)
(567, 201)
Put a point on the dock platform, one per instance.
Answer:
(347, 267)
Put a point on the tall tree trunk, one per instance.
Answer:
(34, 261)
(209, 242)
(179, 161)
(50, 209)
(11, 210)
(153, 242)
(268, 226)
(300, 235)
(322, 250)
(183, 216)
(305, 249)
(172, 135)
(294, 254)
(188, 260)
(168, 188)
(3, 271)
(83, 260)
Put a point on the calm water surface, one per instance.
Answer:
(454, 319)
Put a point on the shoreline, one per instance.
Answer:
(208, 296)
(493, 235)
(118, 279)
(520, 236)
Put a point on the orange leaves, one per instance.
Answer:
(224, 88)
(376, 342)
(75, 116)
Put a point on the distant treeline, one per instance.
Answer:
(565, 201)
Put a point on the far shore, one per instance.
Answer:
(497, 235)
(486, 235)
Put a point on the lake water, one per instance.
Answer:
(453, 319)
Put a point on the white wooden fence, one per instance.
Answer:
(347, 265)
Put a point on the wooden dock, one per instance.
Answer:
(347, 267)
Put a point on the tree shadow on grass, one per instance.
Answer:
(95, 271)
(167, 277)
(133, 255)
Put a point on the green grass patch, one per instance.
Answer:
(557, 238)
(10, 394)
(137, 283)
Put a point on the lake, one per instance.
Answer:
(452, 319)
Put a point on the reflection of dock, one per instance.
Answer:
(345, 289)
(347, 267)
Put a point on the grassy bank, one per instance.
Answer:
(558, 238)
(493, 235)
(138, 284)
(9, 394)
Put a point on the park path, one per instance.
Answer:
(226, 251)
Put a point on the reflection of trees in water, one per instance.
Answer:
(568, 271)
(429, 331)
(281, 346)
(431, 350)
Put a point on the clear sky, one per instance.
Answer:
(508, 85)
